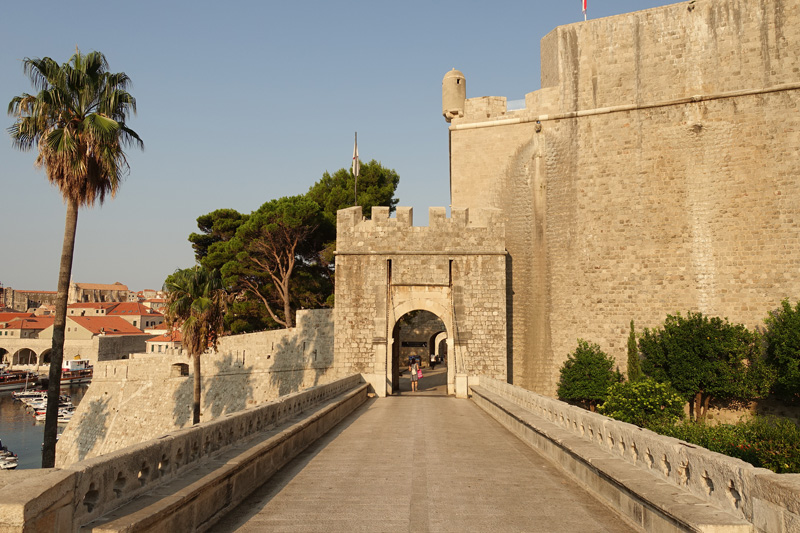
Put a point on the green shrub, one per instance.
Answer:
(586, 375)
(782, 347)
(765, 442)
(634, 362)
(704, 358)
(644, 403)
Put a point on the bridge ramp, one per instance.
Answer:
(421, 463)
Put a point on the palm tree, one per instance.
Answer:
(196, 304)
(77, 123)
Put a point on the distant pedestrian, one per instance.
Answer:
(413, 368)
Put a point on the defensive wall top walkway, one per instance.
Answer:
(330, 458)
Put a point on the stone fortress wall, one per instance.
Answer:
(150, 395)
(655, 172)
(454, 268)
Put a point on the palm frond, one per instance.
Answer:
(77, 121)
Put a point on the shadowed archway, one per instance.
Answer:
(412, 336)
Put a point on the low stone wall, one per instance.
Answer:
(151, 394)
(767, 501)
(64, 500)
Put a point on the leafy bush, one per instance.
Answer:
(586, 375)
(644, 403)
(704, 358)
(782, 340)
(765, 442)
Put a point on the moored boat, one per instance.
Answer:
(8, 464)
(76, 371)
(17, 379)
(29, 394)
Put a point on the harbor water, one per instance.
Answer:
(21, 433)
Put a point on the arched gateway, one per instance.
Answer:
(455, 268)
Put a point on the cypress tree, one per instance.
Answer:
(634, 365)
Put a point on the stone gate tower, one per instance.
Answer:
(455, 268)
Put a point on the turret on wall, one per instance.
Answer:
(454, 94)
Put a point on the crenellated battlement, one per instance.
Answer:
(476, 230)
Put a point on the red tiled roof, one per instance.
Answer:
(92, 305)
(131, 308)
(37, 323)
(7, 317)
(174, 336)
(110, 325)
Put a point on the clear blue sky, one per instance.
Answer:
(242, 102)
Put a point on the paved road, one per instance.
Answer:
(421, 463)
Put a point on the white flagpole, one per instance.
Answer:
(356, 168)
(584, 10)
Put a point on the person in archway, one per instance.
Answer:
(413, 367)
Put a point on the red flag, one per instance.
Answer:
(584, 9)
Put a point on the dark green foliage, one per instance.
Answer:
(644, 403)
(239, 245)
(587, 375)
(277, 245)
(782, 341)
(765, 442)
(704, 358)
(216, 227)
(634, 363)
(376, 186)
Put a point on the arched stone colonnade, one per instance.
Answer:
(24, 356)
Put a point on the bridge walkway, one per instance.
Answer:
(421, 462)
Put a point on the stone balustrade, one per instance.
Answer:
(65, 499)
(769, 501)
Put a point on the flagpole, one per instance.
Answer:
(584, 10)
(356, 168)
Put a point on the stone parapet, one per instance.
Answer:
(470, 231)
(151, 394)
(65, 500)
(767, 501)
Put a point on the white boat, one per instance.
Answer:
(76, 371)
(6, 464)
(29, 394)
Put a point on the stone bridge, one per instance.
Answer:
(331, 457)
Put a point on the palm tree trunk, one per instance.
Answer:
(59, 325)
(197, 383)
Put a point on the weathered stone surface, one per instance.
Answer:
(655, 172)
(698, 483)
(454, 268)
(142, 398)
